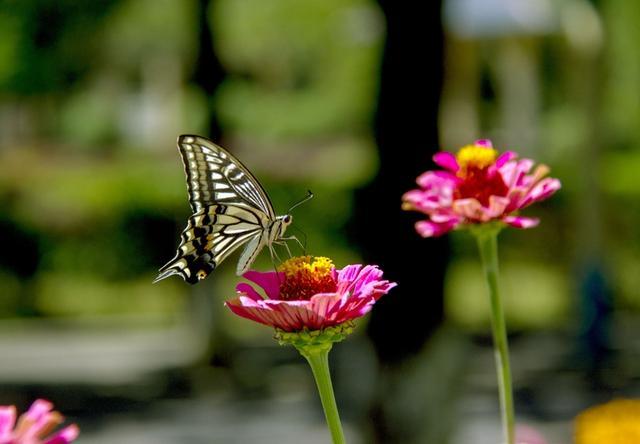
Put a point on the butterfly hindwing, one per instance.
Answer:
(210, 236)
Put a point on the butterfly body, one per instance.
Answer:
(230, 209)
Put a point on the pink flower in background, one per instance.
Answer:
(528, 435)
(309, 294)
(35, 426)
(477, 186)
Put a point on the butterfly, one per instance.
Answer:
(230, 208)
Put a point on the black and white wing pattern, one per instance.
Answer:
(230, 207)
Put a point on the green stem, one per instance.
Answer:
(488, 245)
(319, 361)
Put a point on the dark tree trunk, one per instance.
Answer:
(208, 73)
(407, 136)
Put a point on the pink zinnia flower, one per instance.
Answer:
(35, 426)
(309, 294)
(477, 186)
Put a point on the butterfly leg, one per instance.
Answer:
(274, 257)
(293, 238)
(286, 246)
(274, 253)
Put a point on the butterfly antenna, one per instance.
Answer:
(309, 196)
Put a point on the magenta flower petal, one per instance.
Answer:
(269, 281)
(427, 228)
(447, 161)
(521, 222)
(484, 143)
(504, 158)
(437, 182)
(64, 436)
(483, 187)
(353, 278)
(541, 191)
(249, 291)
(7, 421)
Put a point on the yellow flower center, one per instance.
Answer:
(475, 157)
(305, 276)
(614, 422)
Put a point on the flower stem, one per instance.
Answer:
(319, 361)
(488, 246)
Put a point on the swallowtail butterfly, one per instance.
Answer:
(230, 208)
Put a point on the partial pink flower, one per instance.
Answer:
(309, 294)
(477, 186)
(36, 426)
(528, 435)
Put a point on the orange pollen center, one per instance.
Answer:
(305, 276)
(477, 182)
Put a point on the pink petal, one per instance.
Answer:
(446, 175)
(513, 172)
(348, 274)
(484, 142)
(326, 307)
(446, 160)
(471, 209)
(251, 313)
(420, 200)
(444, 216)
(497, 206)
(38, 409)
(427, 228)
(249, 291)
(269, 281)
(436, 179)
(541, 191)
(521, 222)
(366, 275)
(291, 315)
(504, 158)
(355, 309)
(64, 436)
(7, 419)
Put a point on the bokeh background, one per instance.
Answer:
(348, 98)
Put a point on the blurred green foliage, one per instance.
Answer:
(297, 68)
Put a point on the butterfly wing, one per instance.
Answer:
(215, 176)
(230, 208)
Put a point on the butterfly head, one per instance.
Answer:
(285, 221)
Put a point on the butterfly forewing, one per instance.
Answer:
(215, 176)
(230, 208)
